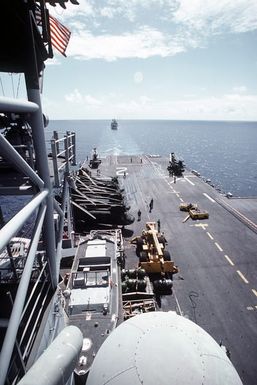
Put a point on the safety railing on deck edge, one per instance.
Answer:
(38, 204)
(63, 148)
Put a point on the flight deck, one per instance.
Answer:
(216, 285)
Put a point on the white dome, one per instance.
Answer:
(161, 348)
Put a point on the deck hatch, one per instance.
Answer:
(96, 248)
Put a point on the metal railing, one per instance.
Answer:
(63, 149)
(35, 279)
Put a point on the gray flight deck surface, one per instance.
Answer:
(216, 286)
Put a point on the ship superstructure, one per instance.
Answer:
(31, 307)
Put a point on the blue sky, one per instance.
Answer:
(155, 59)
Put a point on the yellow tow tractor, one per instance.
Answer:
(194, 211)
(154, 259)
(198, 214)
(187, 206)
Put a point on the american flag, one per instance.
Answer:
(60, 35)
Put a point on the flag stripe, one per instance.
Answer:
(60, 35)
(56, 24)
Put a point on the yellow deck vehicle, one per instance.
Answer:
(198, 214)
(194, 211)
(153, 257)
(187, 206)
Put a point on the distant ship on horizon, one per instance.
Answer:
(114, 124)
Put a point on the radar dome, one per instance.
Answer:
(161, 348)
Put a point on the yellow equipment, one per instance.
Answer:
(198, 214)
(194, 211)
(187, 206)
(153, 257)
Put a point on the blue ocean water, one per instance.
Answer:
(224, 152)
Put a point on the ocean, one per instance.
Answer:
(223, 151)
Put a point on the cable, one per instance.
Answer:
(193, 294)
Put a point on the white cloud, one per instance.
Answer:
(224, 107)
(143, 43)
(138, 77)
(239, 89)
(145, 100)
(173, 26)
(85, 8)
(107, 12)
(53, 62)
(212, 16)
(75, 97)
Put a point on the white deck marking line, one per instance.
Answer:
(241, 275)
(181, 200)
(229, 260)
(209, 235)
(177, 195)
(207, 196)
(254, 292)
(176, 299)
(189, 181)
(202, 225)
(241, 215)
(218, 246)
(121, 170)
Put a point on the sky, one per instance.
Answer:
(154, 59)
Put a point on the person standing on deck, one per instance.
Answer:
(151, 205)
(139, 215)
(159, 225)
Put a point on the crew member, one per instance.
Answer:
(151, 205)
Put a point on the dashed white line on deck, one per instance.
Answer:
(241, 275)
(189, 181)
(229, 260)
(207, 196)
(254, 292)
(209, 235)
(218, 246)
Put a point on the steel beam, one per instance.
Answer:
(9, 153)
(19, 106)
(15, 318)
(13, 226)
(38, 134)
